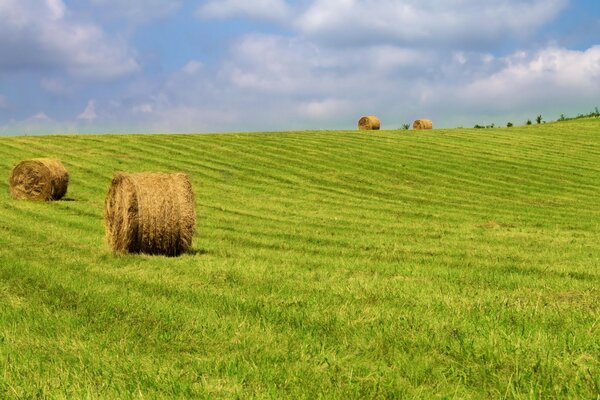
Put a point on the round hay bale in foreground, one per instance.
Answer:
(369, 123)
(151, 213)
(423, 124)
(39, 179)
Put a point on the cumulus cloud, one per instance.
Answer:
(468, 24)
(277, 10)
(41, 35)
(275, 64)
(557, 74)
(289, 65)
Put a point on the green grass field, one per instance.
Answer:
(395, 264)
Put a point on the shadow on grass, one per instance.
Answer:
(196, 252)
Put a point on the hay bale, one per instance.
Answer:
(39, 179)
(423, 124)
(369, 123)
(151, 213)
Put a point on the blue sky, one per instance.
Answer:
(239, 65)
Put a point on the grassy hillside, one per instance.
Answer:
(450, 263)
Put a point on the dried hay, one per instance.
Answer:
(151, 213)
(369, 123)
(423, 124)
(39, 179)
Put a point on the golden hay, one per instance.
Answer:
(151, 213)
(369, 123)
(423, 124)
(38, 179)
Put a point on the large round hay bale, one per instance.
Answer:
(151, 213)
(423, 124)
(39, 179)
(369, 123)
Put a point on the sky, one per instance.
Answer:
(93, 66)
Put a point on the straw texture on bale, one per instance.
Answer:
(151, 213)
(369, 123)
(423, 124)
(39, 179)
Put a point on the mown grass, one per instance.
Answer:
(443, 264)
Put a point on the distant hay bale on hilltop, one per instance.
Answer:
(151, 213)
(423, 124)
(39, 179)
(369, 123)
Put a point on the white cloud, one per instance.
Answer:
(469, 24)
(43, 35)
(274, 64)
(277, 10)
(279, 65)
(89, 114)
(558, 75)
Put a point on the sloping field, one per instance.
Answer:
(450, 263)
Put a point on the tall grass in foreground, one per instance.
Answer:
(446, 263)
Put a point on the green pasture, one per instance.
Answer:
(454, 263)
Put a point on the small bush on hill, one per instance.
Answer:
(593, 114)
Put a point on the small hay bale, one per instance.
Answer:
(423, 124)
(39, 179)
(369, 123)
(150, 213)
